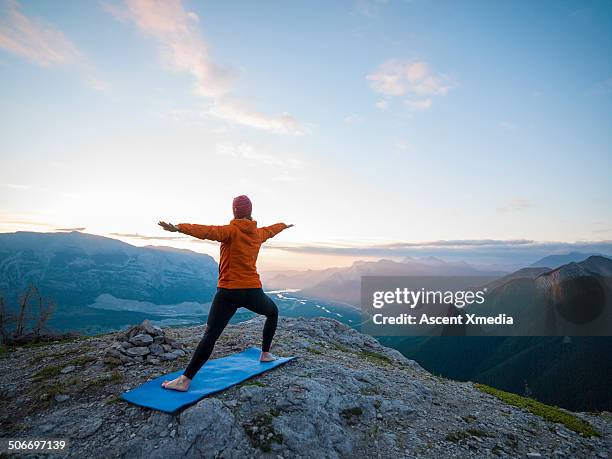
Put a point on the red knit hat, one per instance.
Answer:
(242, 206)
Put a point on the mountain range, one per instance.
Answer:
(573, 372)
(75, 269)
(344, 284)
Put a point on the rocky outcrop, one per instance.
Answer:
(344, 396)
(143, 343)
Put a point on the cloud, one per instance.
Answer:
(403, 146)
(383, 104)
(147, 238)
(412, 79)
(369, 8)
(507, 126)
(143, 237)
(182, 48)
(353, 119)
(41, 43)
(603, 88)
(80, 229)
(238, 112)
(37, 41)
(252, 153)
(516, 204)
(285, 177)
(422, 104)
(15, 186)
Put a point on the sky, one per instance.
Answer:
(468, 130)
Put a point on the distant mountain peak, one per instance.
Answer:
(557, 260)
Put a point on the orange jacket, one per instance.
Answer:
(240, 243)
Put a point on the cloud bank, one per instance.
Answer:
(511, 254)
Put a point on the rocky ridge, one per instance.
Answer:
(344, 396)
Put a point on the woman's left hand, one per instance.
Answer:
(168, 227)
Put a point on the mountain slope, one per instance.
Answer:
(344, 396)
(580, 367)
(73, 269)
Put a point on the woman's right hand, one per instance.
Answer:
(168, 227)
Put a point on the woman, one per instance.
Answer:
(238, 286)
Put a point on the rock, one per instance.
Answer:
(209, 427)
(112, 360)
(156, 349)
(167, 347)
(151, 329)
(138, 351)
(112, 352)
(67, 369)
(158, 339)
(178, 352)
(61, 397)
(168, 356)
(141, 339)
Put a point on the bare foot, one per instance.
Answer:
(266, 357)
(181, 384)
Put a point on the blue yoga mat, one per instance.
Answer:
(214, 376)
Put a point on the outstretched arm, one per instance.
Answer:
(267, 232)
(210, 232)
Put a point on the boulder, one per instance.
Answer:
(156, 349)
(138, 351)
(142, 339)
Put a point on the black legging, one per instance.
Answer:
(224, 306)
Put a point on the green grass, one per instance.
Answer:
(312, 350)
(369, 391)
(35, 344)
(547, 412)
(115, 377)
(352, 415)
(82, 360)
(457, 436)
(261, 433)
(48, 372)
(371, 356)
(375, 357)
(252, 382)
(116, 398)
(478, 432)
(43, 355)
(340, 347)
